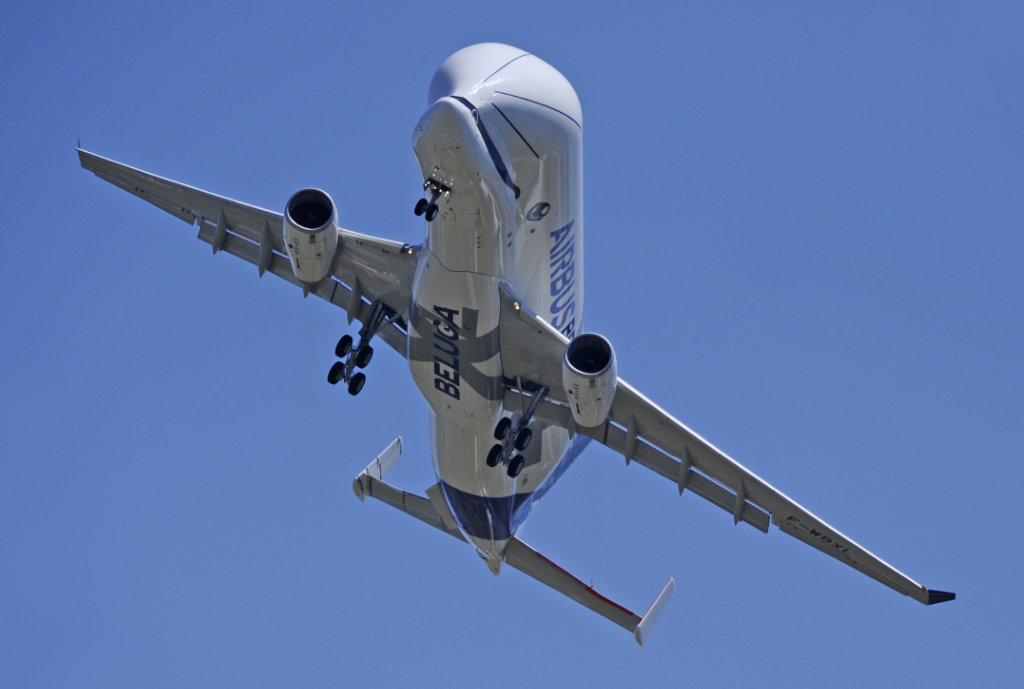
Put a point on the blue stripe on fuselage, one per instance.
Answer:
(498, 519)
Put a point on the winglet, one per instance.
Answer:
(939, 597)
(650, 618)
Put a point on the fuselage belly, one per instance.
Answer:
(500, 146)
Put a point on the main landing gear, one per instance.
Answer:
(358, 356)
(513, 438)
(428, 208)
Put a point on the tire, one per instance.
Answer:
(336, 373)
(421, 207)
(431, 212)
(344, 346)
(523, 438)
(515, 467)
(494, 456)
(363, 356)
(356, 384)
(502, 429)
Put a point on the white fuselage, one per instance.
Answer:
(502, 139)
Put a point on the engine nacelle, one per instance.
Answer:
(589, 377)
(311, 234)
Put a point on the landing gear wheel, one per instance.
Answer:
(523, 438)
(344, 346)
(502, 429)
(336, 373)
(357, 383)
(421, 207)
(494, 456)
(363, 356)
(516, 466)
(431, 212)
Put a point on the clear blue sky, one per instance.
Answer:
(804, 236)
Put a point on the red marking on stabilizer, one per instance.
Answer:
(591, 589)
(610, 601)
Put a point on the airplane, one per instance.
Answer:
(488, 312)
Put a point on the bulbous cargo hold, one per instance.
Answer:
(589, 377)
(311, 234)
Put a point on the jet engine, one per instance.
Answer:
(589, 377)
(311, 234)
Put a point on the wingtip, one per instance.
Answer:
(940, 597)
(84, 156)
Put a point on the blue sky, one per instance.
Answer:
(803, 236)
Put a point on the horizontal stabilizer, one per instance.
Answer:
(433, 510)
(529, 561)
(370, 483)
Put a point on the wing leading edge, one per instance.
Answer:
(646, 434)
(366, 269)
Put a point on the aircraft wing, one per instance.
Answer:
(644, 433)
(367, 269)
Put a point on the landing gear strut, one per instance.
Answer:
(358, 356)
(514, 438)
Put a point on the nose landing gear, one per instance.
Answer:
(435, 190)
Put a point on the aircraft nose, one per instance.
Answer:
(467, 68)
